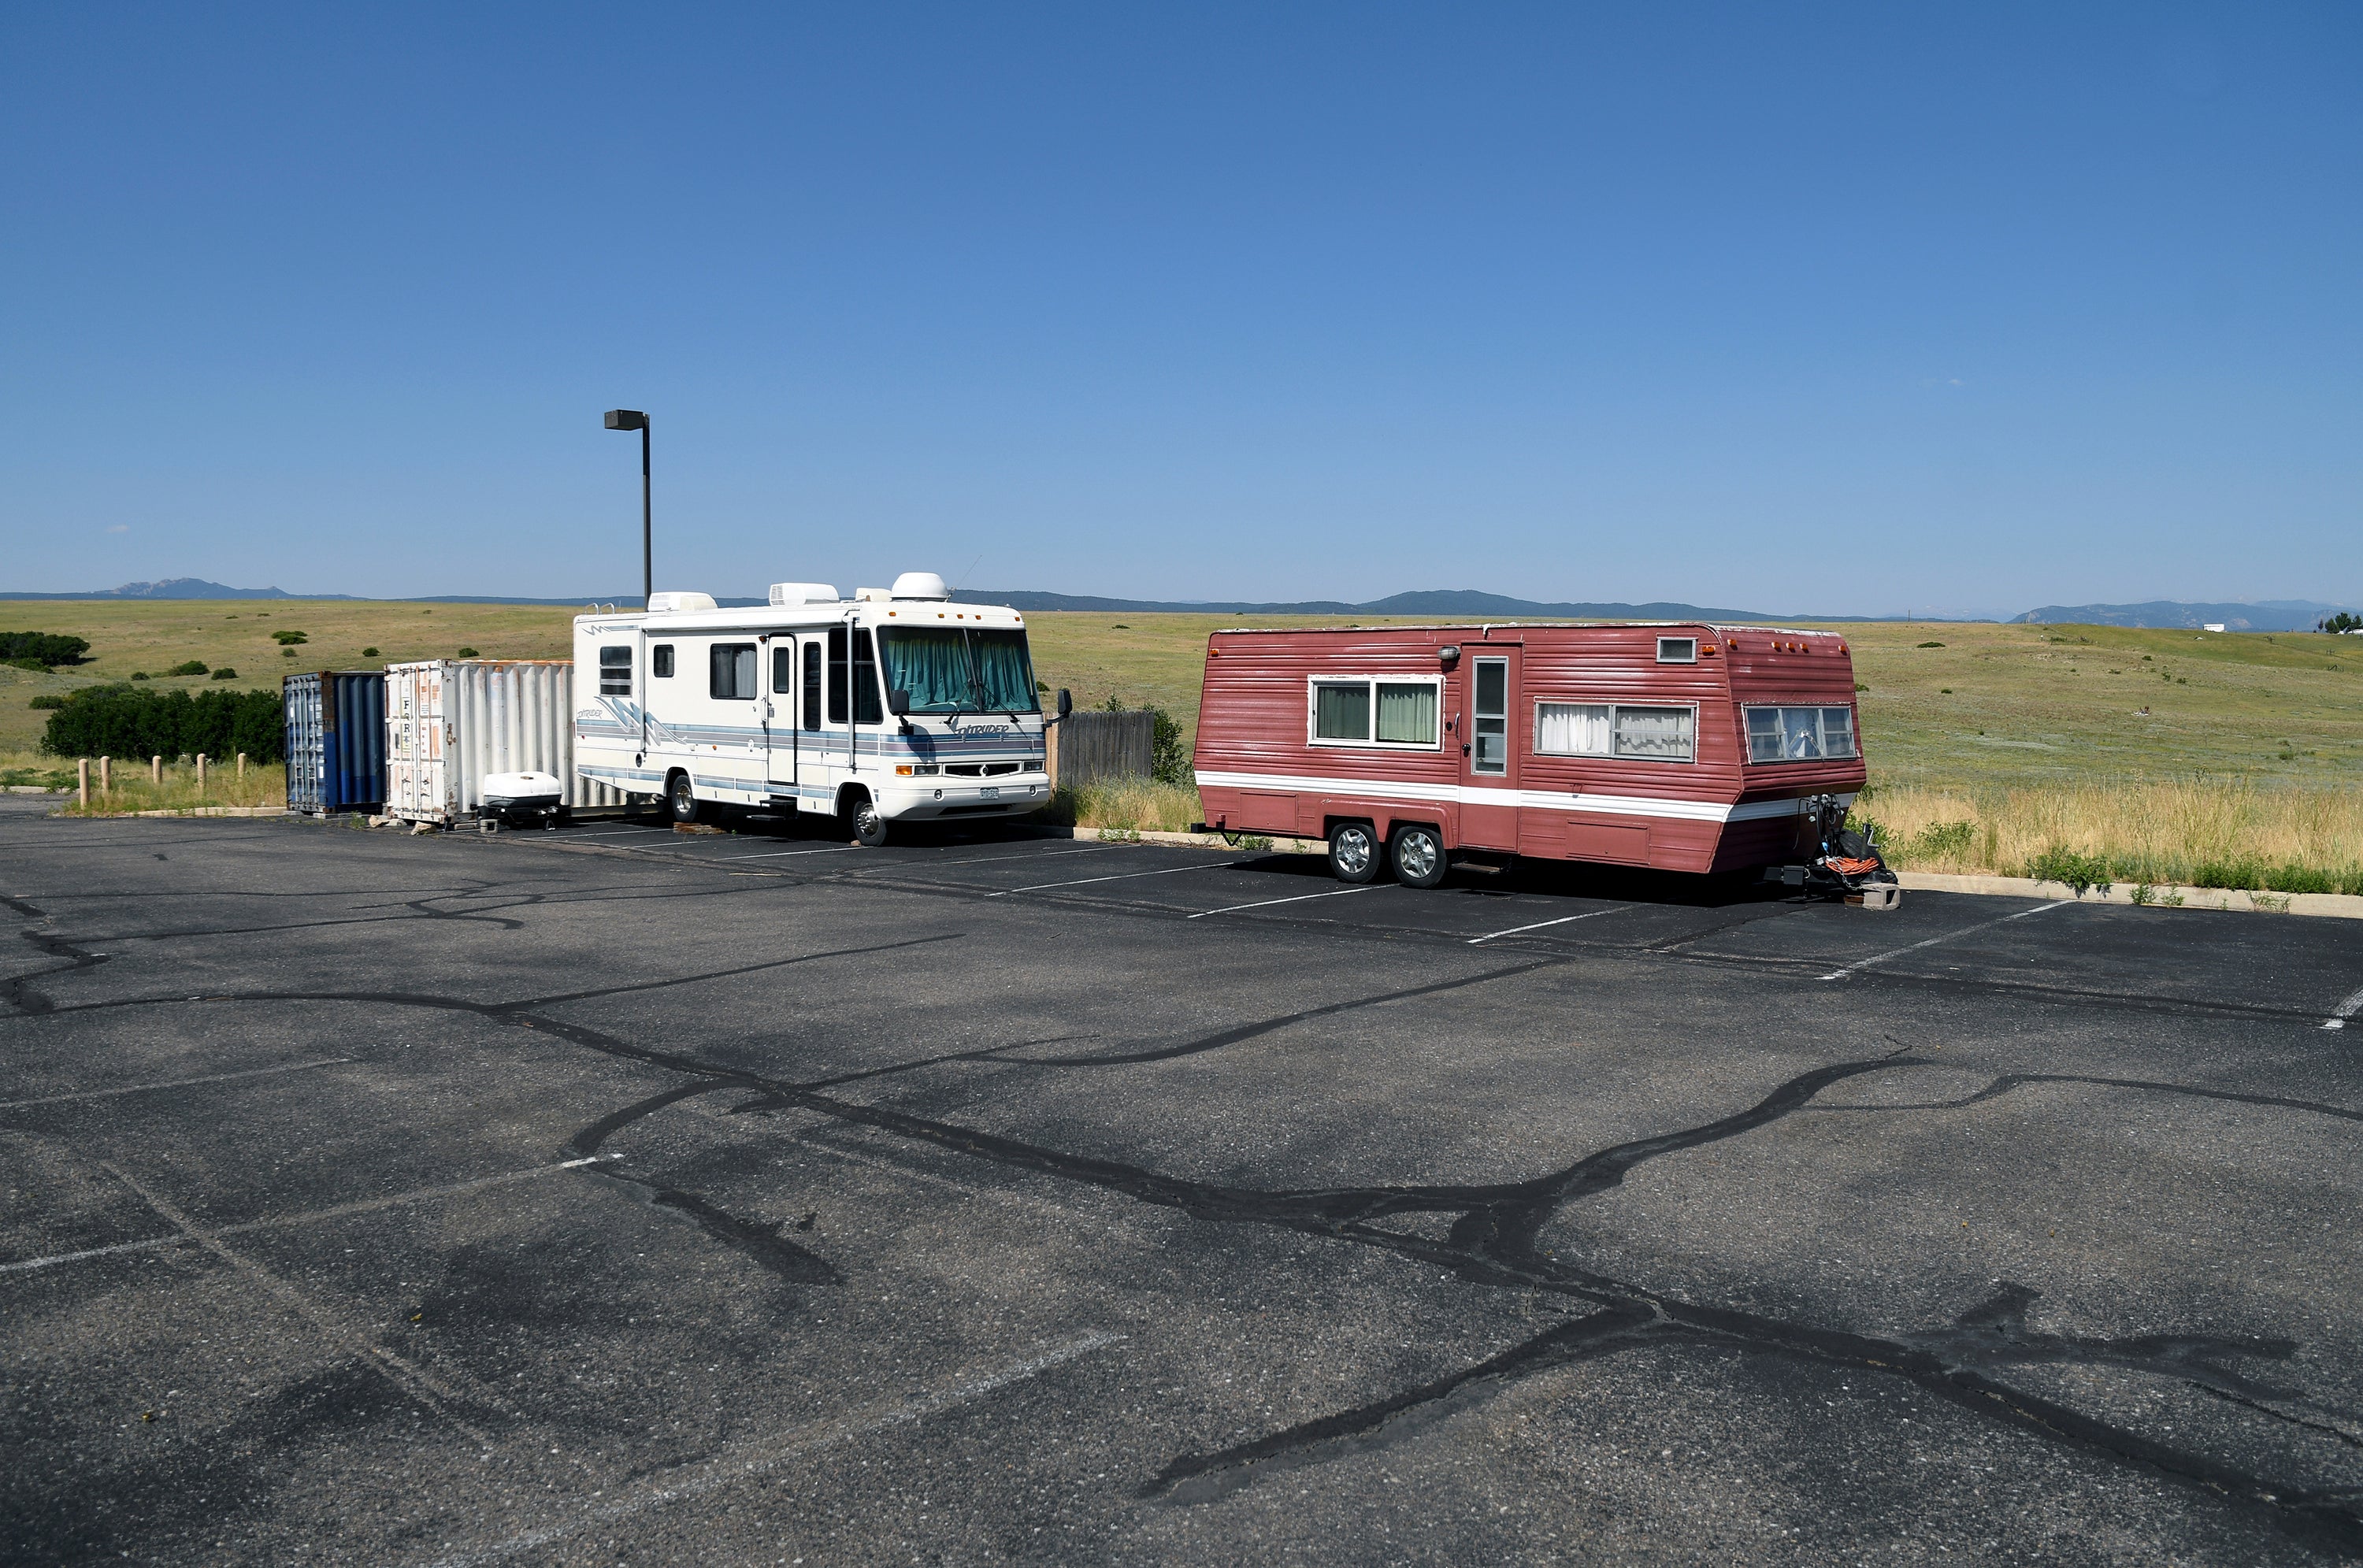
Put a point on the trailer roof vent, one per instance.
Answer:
(804, 594)
(662, 604)
(921, 585)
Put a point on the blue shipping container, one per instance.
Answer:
(336, 740)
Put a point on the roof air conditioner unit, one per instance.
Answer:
(664, 604)
(804, 594)
(920, 585)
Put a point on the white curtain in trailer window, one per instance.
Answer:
(1663, 734)
(1572, 729)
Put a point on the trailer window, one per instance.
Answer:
(1341, 710)
(812, 686)
(1663, 734)
(660, 661)
(730, 671)
(615, 672)
(1800, 735)
(783, 667)
(866, 706)
(1677, 650)
(1366, 710)
(1573, 729)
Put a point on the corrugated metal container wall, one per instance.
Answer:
(335, 740)
(451, 722)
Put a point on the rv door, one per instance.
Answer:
(1489, 763)
(779, 662)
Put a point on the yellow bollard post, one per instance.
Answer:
(105, 777)
(201, 776)
(82, 774)
(156, 771)
(241, 764)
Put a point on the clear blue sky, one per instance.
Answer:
(1786, 308)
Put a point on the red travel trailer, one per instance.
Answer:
(1687, 747)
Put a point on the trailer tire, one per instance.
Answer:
(862, 818)
(680, 798)
(1353, 852)
(1418, 855)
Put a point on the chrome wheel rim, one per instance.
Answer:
(1416, 855)
(684, 799)
(865, 819)
(1353, 851)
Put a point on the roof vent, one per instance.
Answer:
(663, 604)
(804, 594)
(920, 585)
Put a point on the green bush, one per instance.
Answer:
(121, 721)
(2077, 872)
(32, 664)
(51, 701)
(368, 653)
(225, 673)
(191, 666)
(470, 653)
(138, 675)
(44, 649)
(286, 638)
(1940, 839)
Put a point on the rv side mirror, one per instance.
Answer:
(898, 701)
(1066, 702)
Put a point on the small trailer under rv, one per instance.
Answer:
(895, 705)
(1685, 747)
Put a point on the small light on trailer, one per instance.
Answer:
(903, 768)
(1448, 655)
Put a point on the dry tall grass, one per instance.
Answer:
(2197, 832)
(265, 785)
(1142, 805)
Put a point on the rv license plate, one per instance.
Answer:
(990, 790)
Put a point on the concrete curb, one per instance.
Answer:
(2342, 906)
(35, 789)
(195, 812)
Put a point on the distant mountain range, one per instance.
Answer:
(1441, 604)
(2266, 615)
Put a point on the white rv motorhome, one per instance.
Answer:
(895, 705)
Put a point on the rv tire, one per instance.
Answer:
(862, 818)
(1418, 855)
(1353, 852)
(680, 798)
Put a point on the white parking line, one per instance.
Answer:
(990, 860)
(1539, 925)
(367, 1205)
(2345, 1010)
(174, 1082)
(1900, 952)
(614, 833)
(1124, 877)
(1332, 893)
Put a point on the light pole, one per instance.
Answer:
(633, 419)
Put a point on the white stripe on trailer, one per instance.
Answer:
(1526, 799)
(1900, 952)
(2345, 1010)
(1332, 893)
(1124, 877)
(1515, 929)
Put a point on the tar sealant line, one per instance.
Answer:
(174, 1082)
(1332, 893)
(1914, 947)
(782, 854)
(2345, 1010)
(1588, 914)
(156, 1243)
(716, 1473)
(990, 860)
(1124, 877)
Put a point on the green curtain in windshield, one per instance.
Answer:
(931, 664)
(1007, 675)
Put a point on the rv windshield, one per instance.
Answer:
(952, 669)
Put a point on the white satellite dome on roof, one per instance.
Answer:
(920, 585)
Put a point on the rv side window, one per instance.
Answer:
(783, 667)
(1677, 650)
(867, 708)
(1799, 734)
(812, 686)
(1662, 735)
(1572, 729)
(730, 669)
(660, 661)
(1367, 710)
(615, 672)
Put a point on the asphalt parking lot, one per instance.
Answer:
(608, 1196)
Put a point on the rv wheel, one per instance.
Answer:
(1353, 852)
(682, 797)
(868, 827)
(1419, 857)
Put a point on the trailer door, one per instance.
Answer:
(1489, 763)
(779, 660)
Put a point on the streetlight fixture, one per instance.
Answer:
(633, 419)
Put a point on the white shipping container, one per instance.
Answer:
(449, 723)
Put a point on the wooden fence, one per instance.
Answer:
(1088, 746)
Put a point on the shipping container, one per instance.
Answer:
(449, 723)
(1685, 747)
(336, 740)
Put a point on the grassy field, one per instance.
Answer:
(2000, 726)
